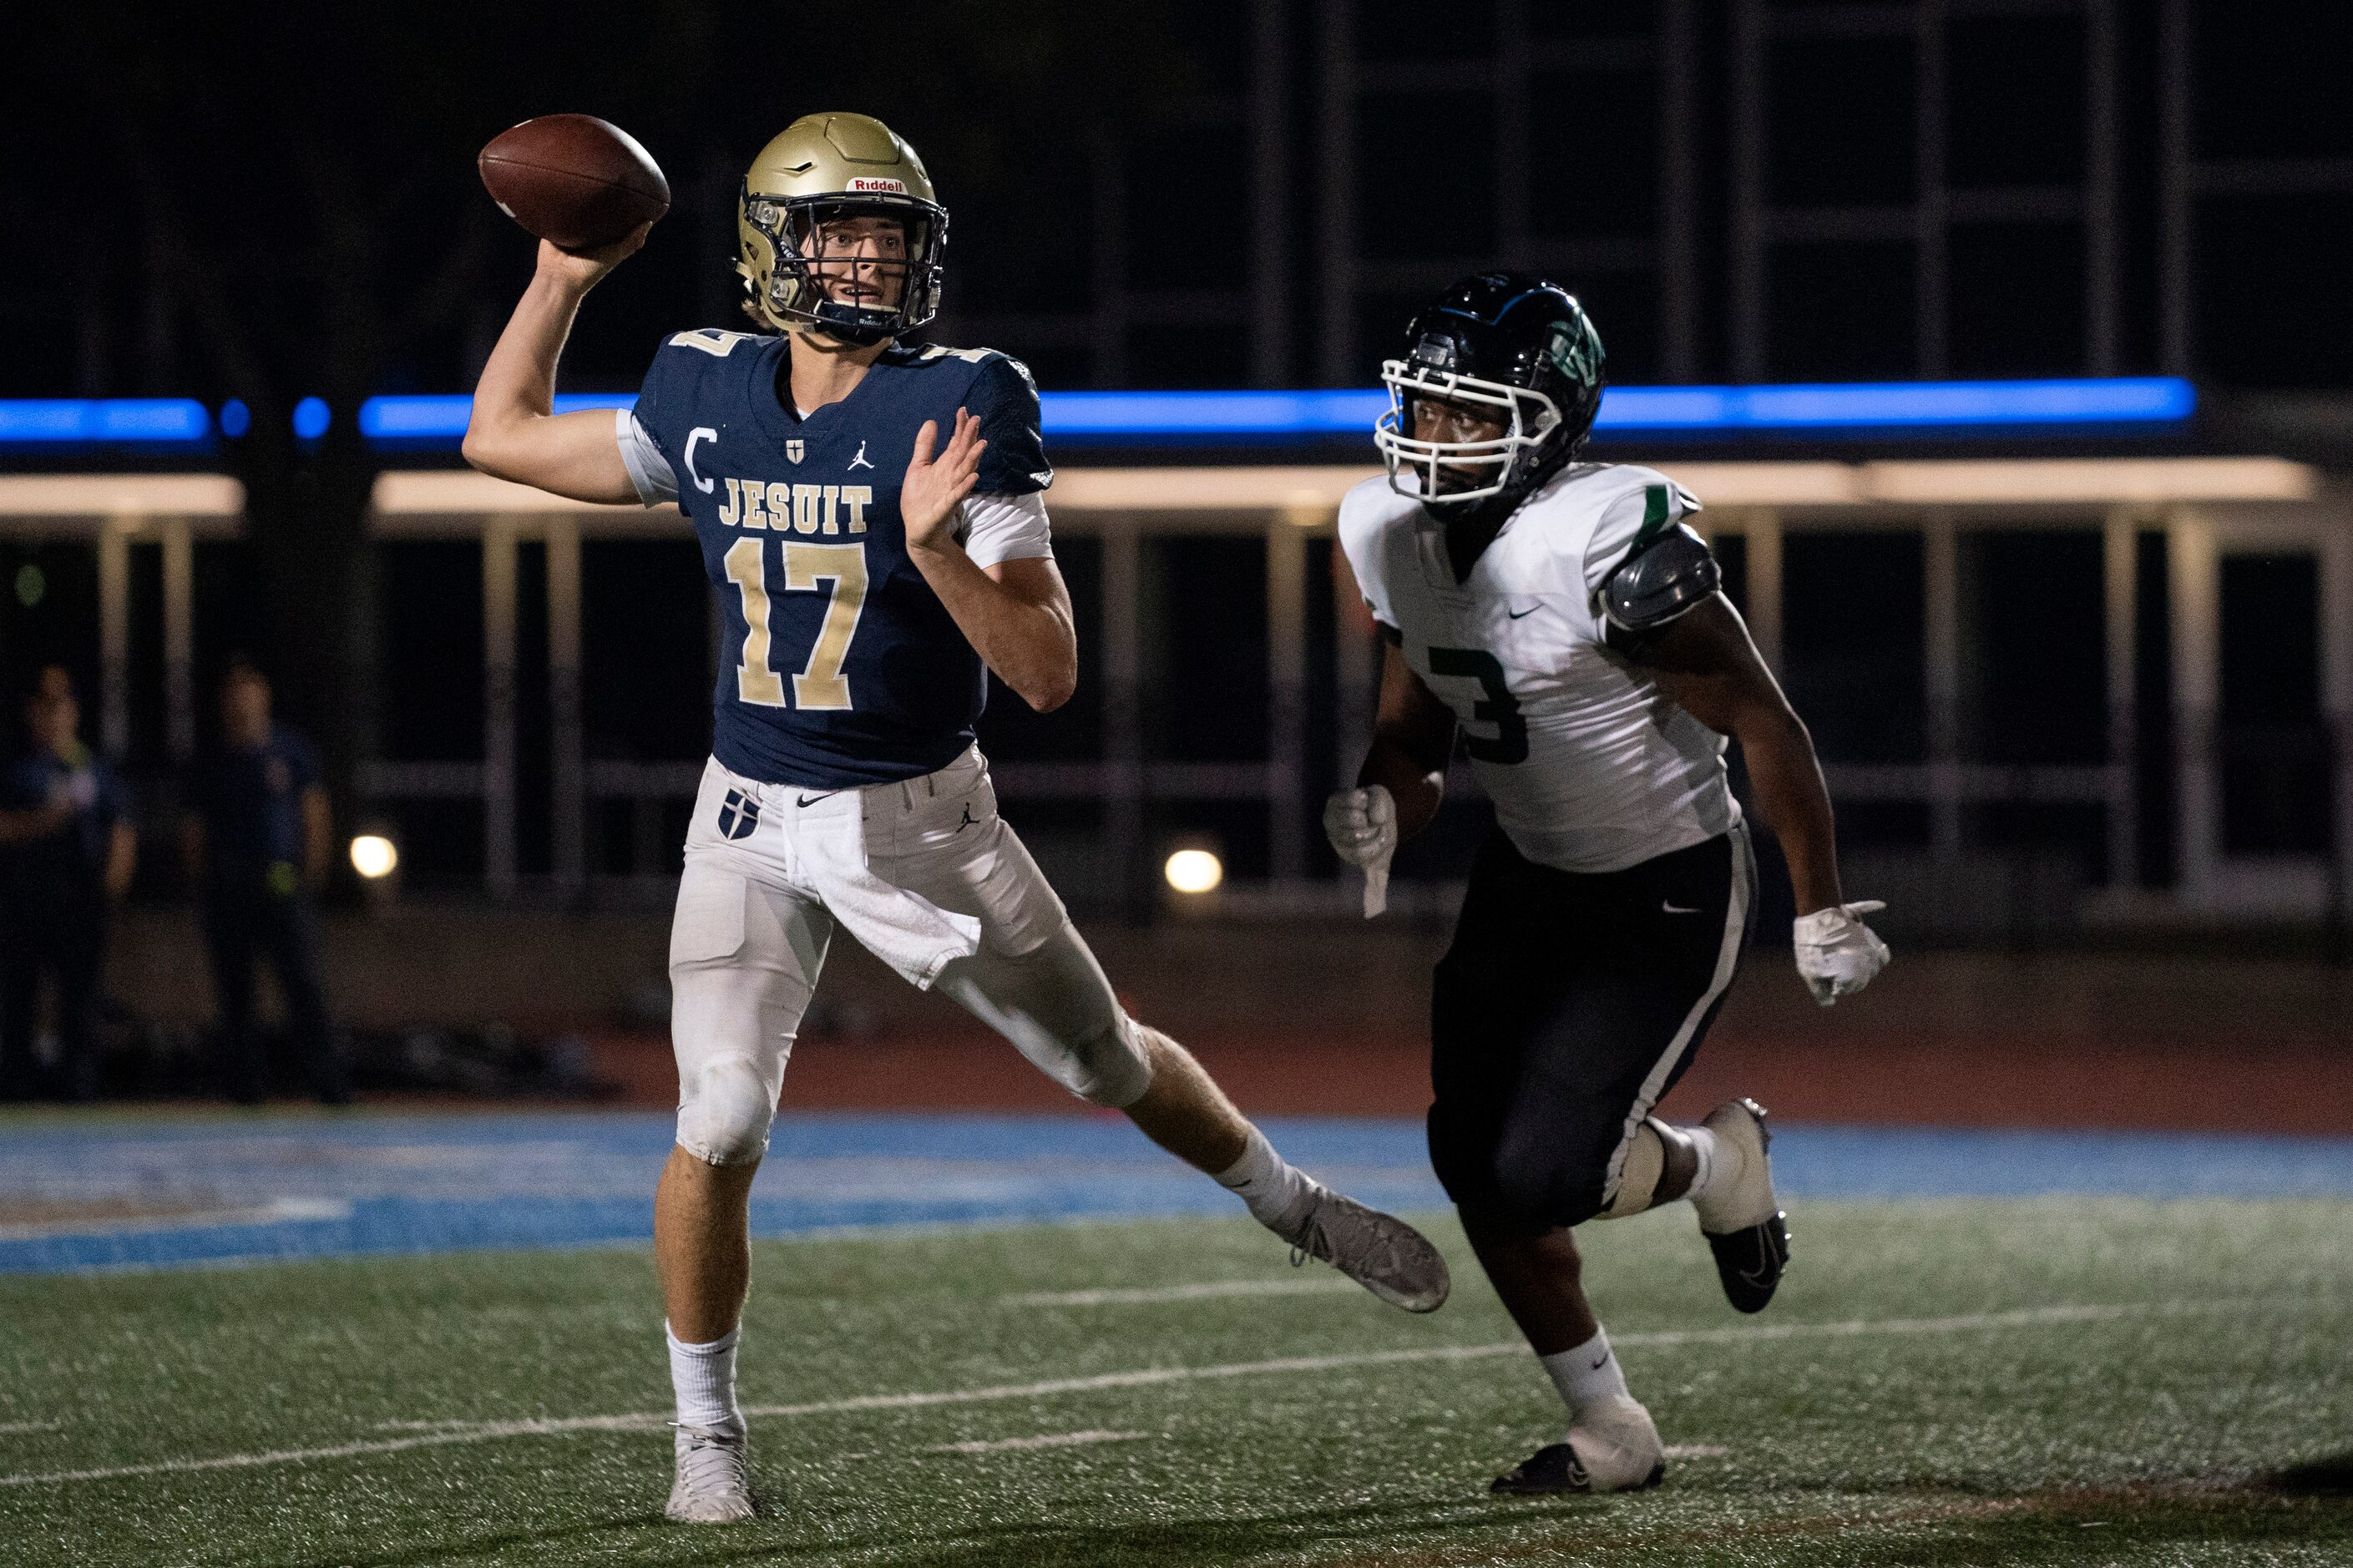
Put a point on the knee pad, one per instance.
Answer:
(724, 1109)
(1114, 1066)
(1058, 1011)
(1642, 1158)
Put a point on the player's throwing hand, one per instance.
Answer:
(581, 270)
(934, 490)
(1837, 954)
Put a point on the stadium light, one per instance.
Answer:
(1194, 871)
(375, 856)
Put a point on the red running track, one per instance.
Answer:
(1961, 1040)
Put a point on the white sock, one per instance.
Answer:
(1275, 1192)
(1586, 1374)
(702, 1379)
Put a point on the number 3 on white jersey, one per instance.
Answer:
(820, 683)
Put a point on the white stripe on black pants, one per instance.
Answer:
(1568, 1005)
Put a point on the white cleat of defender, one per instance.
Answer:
(714, 1477)
(1613, 1448)
(1378, 1251)
(1619, 1447)
(1742, 1219)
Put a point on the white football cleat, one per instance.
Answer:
(1378, 1251)
(1613, 1448)
(1740, 1217)
(713, 1485)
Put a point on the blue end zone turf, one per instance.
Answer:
(178, 1192)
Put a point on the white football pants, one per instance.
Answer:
(927, 876)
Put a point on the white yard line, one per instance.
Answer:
(485, 1432)
(1695, 1451)
(9, 1427)
(2023, 1317)
(1054, 1440)
(1327, 1286)
(425, 1426)
(1145, 1377)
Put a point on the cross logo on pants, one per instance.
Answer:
(739, 814)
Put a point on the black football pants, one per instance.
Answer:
(1567, 1004)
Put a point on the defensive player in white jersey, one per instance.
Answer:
(866, 572)
(1562, 618)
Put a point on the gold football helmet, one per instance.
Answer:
(824, 167)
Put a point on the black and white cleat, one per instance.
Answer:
(1748, 1263)
(1614, 1449)
(1547, 1472)
(1743, 1222)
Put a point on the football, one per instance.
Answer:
(573, 179)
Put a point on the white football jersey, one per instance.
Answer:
(1591, 768)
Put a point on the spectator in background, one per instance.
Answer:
(256, 839)
(66, 857)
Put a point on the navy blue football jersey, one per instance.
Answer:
(840, 666)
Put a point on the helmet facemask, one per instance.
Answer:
(1530, 419)
(796, 295)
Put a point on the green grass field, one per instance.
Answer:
(1912, 1398)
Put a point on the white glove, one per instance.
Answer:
(1837, 954)
(1362, 826)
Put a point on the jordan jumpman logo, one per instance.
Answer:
(859, 462)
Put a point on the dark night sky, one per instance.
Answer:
(291, 190)
(270, 201)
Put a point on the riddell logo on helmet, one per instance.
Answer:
(868, 183)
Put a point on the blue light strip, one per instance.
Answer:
(1100, 415)
(81, 421)
(443, 417)
(1201, 417)
(2151, 400)
(1912, 404)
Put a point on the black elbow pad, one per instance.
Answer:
(1661, 581)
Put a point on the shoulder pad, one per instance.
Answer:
(1660, 580)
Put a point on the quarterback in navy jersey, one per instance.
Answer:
(773, 494)
(871, 515)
